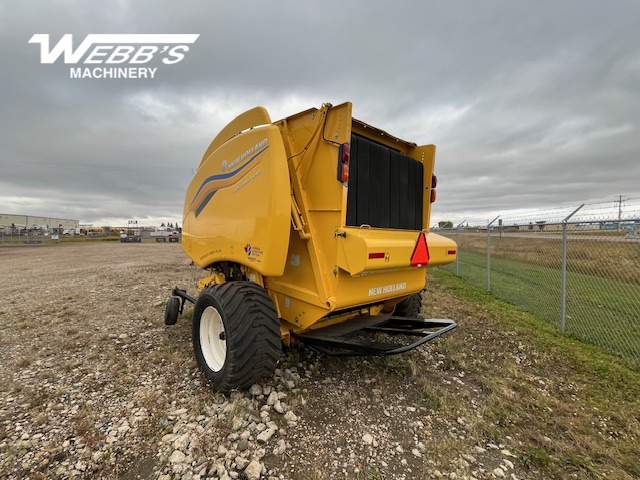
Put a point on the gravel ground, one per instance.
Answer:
(94, 385)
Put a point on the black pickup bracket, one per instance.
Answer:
(183, 296)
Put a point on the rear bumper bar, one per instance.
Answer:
(344, 339)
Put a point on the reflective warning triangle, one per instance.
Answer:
(420, 255)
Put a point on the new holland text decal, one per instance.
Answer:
(387, 288)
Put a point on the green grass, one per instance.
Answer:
(571, 407)
(600, 310)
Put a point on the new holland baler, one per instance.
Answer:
(311, 229)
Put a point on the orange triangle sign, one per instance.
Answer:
(420, 256)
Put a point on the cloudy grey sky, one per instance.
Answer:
(531, 104)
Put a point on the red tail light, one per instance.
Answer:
(434, 184)
(346, 152)
(344, 155)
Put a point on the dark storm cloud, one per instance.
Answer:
(530, 104)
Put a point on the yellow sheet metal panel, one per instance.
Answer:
(426, 154)
(298, 307)
(365, 249)
(381, 136)
(312, 139)
(442, 250)
(238, 205)
(249, 119)
(337, 127)
(298, 270)
(376, 286)
(295, 311)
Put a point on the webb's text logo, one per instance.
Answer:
(119, 52)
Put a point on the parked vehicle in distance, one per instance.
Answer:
(162, 235)
(132, 237)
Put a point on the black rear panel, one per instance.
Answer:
(385, 187)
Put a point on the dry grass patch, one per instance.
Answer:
(84, 425)
(583, 255)
(571, 408)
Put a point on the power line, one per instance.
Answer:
(100, 166)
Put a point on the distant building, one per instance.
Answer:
(36, 222)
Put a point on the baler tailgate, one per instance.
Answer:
(343, 339)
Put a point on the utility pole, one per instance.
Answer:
(619, 201)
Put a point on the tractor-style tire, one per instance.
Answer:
(236, 335)
(409, 307)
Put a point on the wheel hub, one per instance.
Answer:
(213, 339)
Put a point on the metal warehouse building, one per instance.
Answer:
(30, 221)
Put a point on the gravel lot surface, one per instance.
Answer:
(94, 385)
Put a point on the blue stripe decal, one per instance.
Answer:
(224, 176)
(205, 202)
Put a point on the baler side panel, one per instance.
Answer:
(238, 205)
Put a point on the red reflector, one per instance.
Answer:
(346, 152)
(433, 196)
(345, 173)
(451, 252)
(376, 255)
(434, 181)
(420, 256)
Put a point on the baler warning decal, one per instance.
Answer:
(215, 182)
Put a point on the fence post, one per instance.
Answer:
(563, 286)
(489, 253)
(458, 244)
(458, 252)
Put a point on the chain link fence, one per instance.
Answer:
(15, 236)
(582, 275)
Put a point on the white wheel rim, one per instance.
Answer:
(213, 339)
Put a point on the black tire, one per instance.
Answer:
(171, 311)
(236, 335)
(409, 307)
